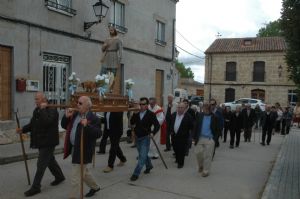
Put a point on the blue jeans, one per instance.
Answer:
(143, 145)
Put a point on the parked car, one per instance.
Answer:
(180, 94)
(194, 100)
(252, 102)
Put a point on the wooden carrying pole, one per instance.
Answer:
(81, 163)
(23, 149)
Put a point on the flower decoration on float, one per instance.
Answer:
(101, 83)
(129, 83)
(73, 82)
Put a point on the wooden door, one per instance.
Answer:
(5, 83)
(159, 75)
(258, 94)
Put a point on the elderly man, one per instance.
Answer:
(81, 123)
(171, 108)
(158, 111)
(181, 124)
(249, 118)
(267, 122)
(44, 136)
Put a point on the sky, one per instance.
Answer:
(198, 23)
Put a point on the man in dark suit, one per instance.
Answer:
(88, 123)
(113, 126)
(44, 136)
(181, 125)
(249, 118)
(267, 122)
(143, 121)
(236, 125)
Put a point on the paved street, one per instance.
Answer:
(236, 174)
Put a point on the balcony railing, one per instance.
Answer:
(118, 27)
(59, 7)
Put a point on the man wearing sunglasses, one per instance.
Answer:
(142, 122)
(74, 122)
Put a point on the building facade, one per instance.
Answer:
(43, 42)
(248, 67)
(193, 87)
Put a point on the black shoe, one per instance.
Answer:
(154, 158)
(236, 145)
(57, 181)
(148, 170)
(31, 192)
(179, 166)
(268, 143)
(262, 143)
(92, 192)
(101, 152)
(231, 146)
(166, 150)
(134, 178)
(133, 146)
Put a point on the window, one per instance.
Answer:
(229, 94)
(160, 33)
(230, 71)
(292, 97)
(61, 6)
(259, 71)
(118, 17)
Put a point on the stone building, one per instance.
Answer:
(193, 87)
(248, 67)
(43, 42)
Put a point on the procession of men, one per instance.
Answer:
(203, 127)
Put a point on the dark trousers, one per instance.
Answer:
(226, 128)
(236, 133)
(247, 134)
(180, 145)
(46, 159)
(277, 126)
(103, 142)
(285, 127)
(168, 140)
(115, 149)
(267, 131)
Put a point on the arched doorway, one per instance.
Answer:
(258, 94)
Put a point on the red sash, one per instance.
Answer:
(163, 129)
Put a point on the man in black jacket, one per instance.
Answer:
(44, 136)
(181, 125)
(268, 122)
(113, 126)
(77, 123)
(143, 121)
(249, 118)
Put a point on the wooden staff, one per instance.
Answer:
(161, 157)
(81, 163)
(23, 149)
(94, 158)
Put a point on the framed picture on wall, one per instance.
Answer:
(32, 85)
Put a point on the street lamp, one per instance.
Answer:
(100, 10)
(280, 70)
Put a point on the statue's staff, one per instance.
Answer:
(81, 160)
(23, 149)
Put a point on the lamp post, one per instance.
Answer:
(100, 10)
(280, 70)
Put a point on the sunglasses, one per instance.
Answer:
(142, 104)
(80, 103)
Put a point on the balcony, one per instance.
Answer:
(160, 42)
(54, 6)
(119, 28)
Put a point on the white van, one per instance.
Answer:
(180, 94)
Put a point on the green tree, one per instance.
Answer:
(183, 71)
(271, 29)
(290, 25)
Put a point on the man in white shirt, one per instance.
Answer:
(158, 111)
